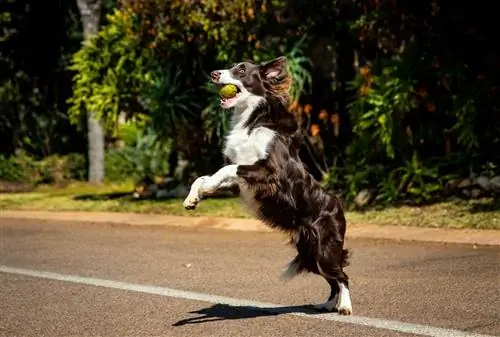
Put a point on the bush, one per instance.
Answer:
(143, 156)
(17, 169)
(57, 169)
(146, 156)
(50, 170)
(118, 166)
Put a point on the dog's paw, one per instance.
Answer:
(191, 202)
(345, 311)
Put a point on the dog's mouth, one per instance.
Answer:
(228, 102)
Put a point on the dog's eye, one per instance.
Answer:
(241, 70)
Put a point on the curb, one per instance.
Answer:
(486, 237)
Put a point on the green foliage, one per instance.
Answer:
(128, 133)
(378, 111)
(111, 69)
(169, 105)
(298, 65)
(399, 106)
(143, 156)
(148, 157)
(18, 169)
(57, 169)
(118, 166)
(50, 170)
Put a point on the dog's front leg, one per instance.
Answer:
(207, 185)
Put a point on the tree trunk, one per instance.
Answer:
(90, 11)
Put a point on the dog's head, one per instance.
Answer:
(266, 79)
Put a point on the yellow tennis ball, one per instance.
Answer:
(228, 91)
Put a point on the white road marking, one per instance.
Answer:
(418, 329)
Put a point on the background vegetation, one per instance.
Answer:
(399, 100)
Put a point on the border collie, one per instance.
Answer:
(262, 151)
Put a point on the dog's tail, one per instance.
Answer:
(346, 254)
(293, 269)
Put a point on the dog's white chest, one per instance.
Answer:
(244, 148)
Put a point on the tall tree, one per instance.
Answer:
(90, 11)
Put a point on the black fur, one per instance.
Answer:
(291, 200)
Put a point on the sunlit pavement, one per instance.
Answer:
(63, 279)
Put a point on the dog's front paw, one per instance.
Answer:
(191, 202)
(193, 197)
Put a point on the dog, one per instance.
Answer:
(262, 154)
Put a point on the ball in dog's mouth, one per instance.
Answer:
(228, 94)
(228, 91)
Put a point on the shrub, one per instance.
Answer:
(56, 169)
(118, 166)
(17, 169)
(52, 169)
(147, 157)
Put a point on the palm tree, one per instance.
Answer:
(90, 11)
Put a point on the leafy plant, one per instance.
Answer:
(110, 71)
(382, 102)
(298, 67)
(420, 183)
(149, 156)
(169, 105)
(16, 169)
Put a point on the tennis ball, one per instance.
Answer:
(228, 91)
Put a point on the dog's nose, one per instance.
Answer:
(215, 75)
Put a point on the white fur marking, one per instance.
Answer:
(194, 196)
(212, 183)
(345, 306)
(242, 147)
(226, 78)
(341, 301)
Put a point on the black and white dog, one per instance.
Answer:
(262, 149)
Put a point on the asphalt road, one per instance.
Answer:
(69, 279)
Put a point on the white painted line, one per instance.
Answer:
(418, 329)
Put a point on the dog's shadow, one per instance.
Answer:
(222, 312)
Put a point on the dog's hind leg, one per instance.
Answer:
(344, 306)
(332, 301)
(331, 268)
(339, 299)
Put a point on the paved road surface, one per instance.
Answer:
(63, 279)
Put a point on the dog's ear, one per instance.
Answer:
(274, 68)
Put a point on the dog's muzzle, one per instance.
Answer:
(215, 75)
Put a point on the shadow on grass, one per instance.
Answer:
(492, 205)
(104, 196)
(472, 206)
(127, 196)
(222, 312)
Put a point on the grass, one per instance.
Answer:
(481, 214)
